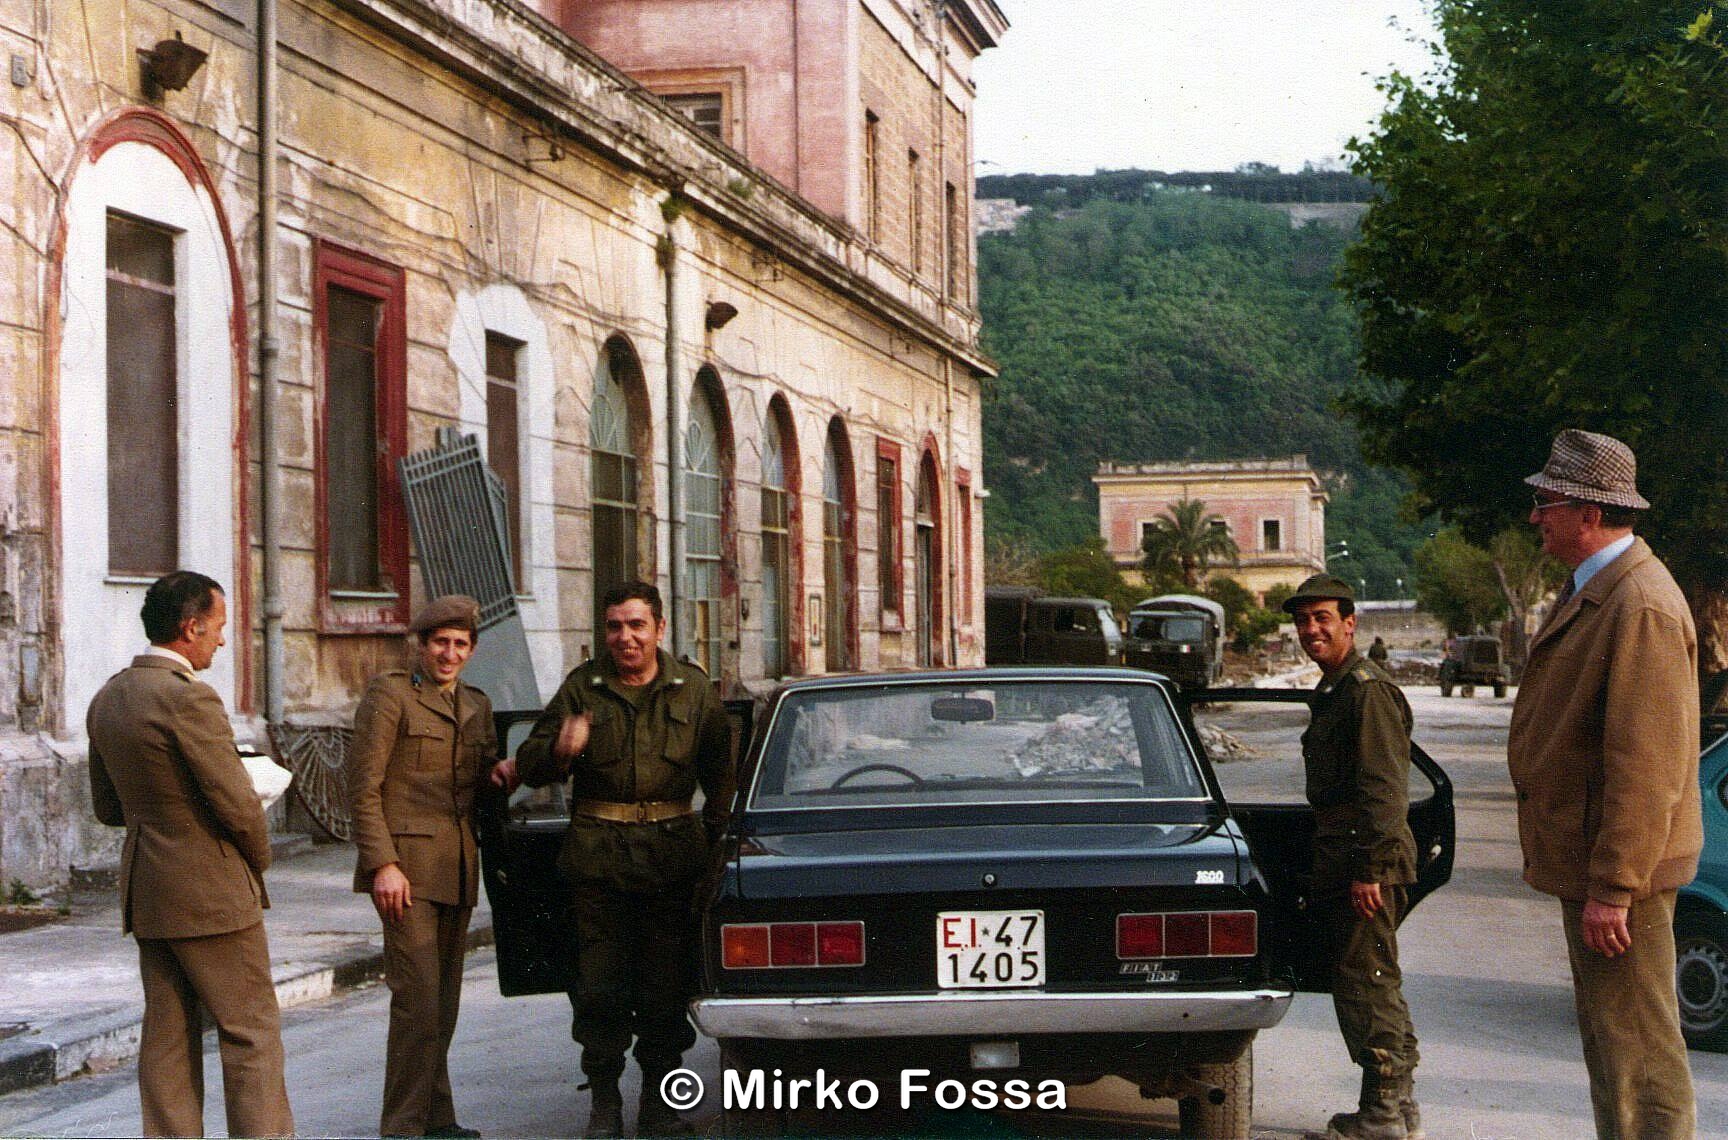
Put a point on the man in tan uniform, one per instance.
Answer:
(421, 741)
(1356, 755)
(1604, 756)
(163, 765)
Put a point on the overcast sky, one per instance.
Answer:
(1079, 85)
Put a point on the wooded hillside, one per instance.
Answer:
(1180, 325)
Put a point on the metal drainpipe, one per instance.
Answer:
(270, 475)
(939, 44)
(953, 513)
(667, 255)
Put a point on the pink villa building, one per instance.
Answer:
(1275, 509)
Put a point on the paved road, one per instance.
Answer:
(1486, 977)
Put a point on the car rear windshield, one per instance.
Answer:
(1013, 742)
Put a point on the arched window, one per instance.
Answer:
(928, 558)
(776, 553)
(838, 550)
(150, 393)
(614, 483)
(699, 632)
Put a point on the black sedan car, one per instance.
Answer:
(981, 887)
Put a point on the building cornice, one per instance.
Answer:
(1291, 467)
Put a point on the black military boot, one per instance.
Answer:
(654, 1117)
(605, 1109)
(1379, 1114)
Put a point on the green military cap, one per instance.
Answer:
(1320, 588)
(452, 611)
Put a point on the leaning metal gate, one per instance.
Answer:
(457, 514)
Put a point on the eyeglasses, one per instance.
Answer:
(1541, 504)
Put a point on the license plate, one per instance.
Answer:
(989, 949)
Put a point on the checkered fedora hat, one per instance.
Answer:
(1594, 468)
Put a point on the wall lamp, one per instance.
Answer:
(169, 66)
(719, 313)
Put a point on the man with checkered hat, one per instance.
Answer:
(1604, 758)
(1356, 754)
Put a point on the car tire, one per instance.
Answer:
(746, 1121)
(1701, 979)
(1230, 1120)
(1467, 690)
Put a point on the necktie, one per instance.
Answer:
(1565, 592)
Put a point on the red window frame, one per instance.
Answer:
(892, 608)
(339, 267)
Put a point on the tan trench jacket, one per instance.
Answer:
(412, 773)
(163, 765)
(1604, 742)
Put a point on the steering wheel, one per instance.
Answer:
(863, 768)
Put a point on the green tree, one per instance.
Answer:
(1525, 575)
(1186, 537)
(1254, 626)
(1455, 581)
(1550, 250)
(1086, 571)
(1249, 624)
(1008, 563)
(1232, 595)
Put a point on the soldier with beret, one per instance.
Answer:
(422, 741)
(1357, 755)
(635, 731)
(1604, 756)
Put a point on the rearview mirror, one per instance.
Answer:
(962, 710)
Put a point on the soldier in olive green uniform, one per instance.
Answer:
(635, 731)
(1357, 755)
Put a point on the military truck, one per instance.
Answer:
(1022, 626)
(1180, 636)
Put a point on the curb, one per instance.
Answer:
(59, 1050)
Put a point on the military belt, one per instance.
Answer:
(647, 811)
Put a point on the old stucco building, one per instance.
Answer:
(1274, 508)
(758, 289)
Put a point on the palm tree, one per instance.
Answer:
(1187, 539)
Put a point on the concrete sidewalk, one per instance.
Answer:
(70, 999)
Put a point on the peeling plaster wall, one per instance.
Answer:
(518, 182)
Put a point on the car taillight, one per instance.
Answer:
(1188, 934)
(840, 944)
(1139, 936)
(744, 947)
(769, 945)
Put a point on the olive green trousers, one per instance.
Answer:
(1368, 987)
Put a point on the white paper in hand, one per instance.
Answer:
(269, 779)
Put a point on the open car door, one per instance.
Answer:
(520, 836)
(1254, 740)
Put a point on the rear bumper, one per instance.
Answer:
(988, 1013)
